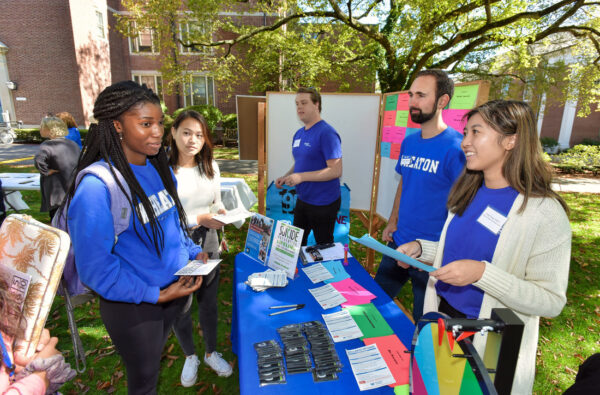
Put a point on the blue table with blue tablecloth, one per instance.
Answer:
(251, 323)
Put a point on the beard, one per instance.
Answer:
(420, 117)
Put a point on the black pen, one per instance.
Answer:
(290, 307)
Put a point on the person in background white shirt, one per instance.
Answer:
(199, 189)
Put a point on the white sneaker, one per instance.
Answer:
(218, 364)
(189, 373)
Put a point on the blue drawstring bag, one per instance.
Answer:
(281, 204)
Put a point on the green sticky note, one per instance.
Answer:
(369, 320)
(402, 118)
(464, 97)
(391, 102)
(401, 389)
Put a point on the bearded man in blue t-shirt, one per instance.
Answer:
(429, 163)
(317, 151)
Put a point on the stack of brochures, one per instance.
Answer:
(268, 279)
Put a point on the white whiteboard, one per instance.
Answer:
(354, 116)
(388, 185)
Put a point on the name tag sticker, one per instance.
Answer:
(296, 143)
(492, 220)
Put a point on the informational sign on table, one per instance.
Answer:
(258, 239)
(286, 247)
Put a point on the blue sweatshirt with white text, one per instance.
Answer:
(130, 270)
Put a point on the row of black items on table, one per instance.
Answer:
(297, 338)
(314, 252)
(271, 369)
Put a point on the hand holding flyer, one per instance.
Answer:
(198, 268)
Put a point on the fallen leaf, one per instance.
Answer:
(579, 356)
(569, 370)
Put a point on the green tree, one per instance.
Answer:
(309, 41)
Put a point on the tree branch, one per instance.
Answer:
(479, 33)
(369, 9)
(262, 29)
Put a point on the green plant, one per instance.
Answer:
(578, 159)
(211, 113)
(32, 136)
(230, 121)
(590, 142)
(546, 157)
(548, 142)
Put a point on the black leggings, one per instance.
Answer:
(139, 333)
(319, 219)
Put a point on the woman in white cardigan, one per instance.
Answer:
(507, 239)
(199, 189)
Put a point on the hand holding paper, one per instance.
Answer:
(373, 244)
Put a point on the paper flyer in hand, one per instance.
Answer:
(285, 249)
(258, 239)
(198, 268)
(237, 214)
(373, 244)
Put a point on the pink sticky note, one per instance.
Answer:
(403, 102)
(397, 134)
(387, 133)
(389, 118)
(354, 293)
(393, 352)
(454, 118)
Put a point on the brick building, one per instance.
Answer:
(58, 55)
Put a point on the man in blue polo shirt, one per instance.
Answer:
(317, 151)
(429, 163)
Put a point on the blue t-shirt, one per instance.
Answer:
(428, 168)
(75, 136)
(474, 235)
(312, 149)
(131, 271)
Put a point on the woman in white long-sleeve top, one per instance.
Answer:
(507, 239)
(199, 188)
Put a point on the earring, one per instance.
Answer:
(120, 136)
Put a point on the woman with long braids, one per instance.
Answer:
(199, 187)
(134, 274)
(507, 239)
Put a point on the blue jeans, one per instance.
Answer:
(391, 278)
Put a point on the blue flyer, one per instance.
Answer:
(258, 239)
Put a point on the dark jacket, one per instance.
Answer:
(57, 154)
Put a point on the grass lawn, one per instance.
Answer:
(564, 341)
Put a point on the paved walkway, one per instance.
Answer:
(16, 151)
(11, 154)
(586, 185)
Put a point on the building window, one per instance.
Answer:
(100, 24)
(190, 32)
(199, 90)
(153, 82)
(143, 42)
